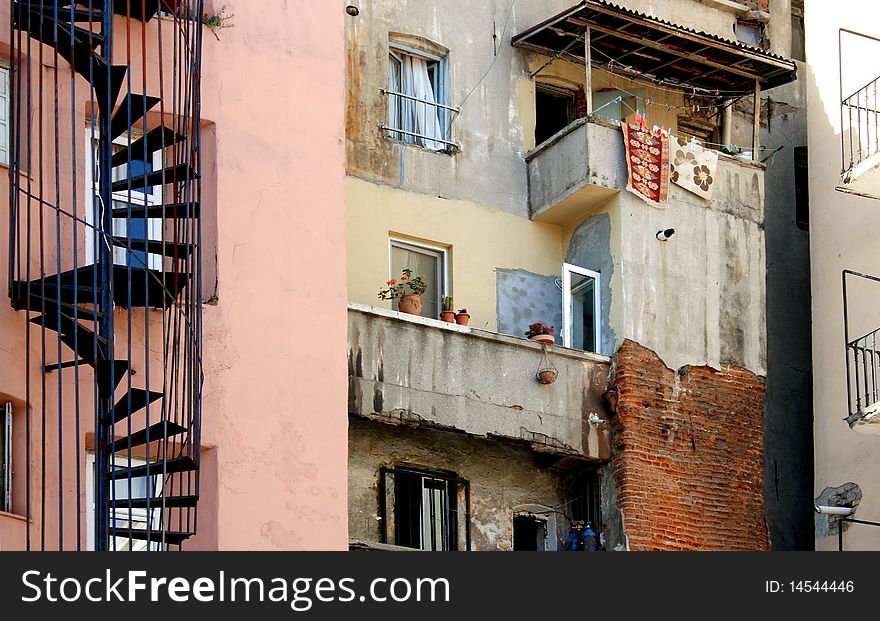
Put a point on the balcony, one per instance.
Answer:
(861, 144)
(580, 167)
(407, 370)
(862, 353)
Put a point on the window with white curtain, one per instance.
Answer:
(417, 107)
(424, 260)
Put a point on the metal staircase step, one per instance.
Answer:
(168, 249)
(170, 537)
(175, 174)
(176, 211)
(108, 374)
(132, 402)
(141, 10)
(158, 468)
(133, 108)
(159, 431)
(154, 140)
(168, 502)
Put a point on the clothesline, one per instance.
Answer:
(730, 146)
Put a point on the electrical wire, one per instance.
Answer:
(494, 59)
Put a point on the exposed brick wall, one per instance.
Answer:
(757, 5)
(688, 455)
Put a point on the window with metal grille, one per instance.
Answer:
(418, 108)
(4, 115)
(424, 510)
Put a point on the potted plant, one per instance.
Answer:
(462, 317)
(541, 333)
(408, 290)
(447, 314)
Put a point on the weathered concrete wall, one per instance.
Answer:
(788, 403)
(843, 235)
(688, 455)
(410, 369)
(502, 477)
(699, 297)
(525, 298)
(575, 169)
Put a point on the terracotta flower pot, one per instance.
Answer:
(447, 316)
(411, 304)
(546, 339)
(546, 377)
(462, 319)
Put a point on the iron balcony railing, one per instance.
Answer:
(862, 112)
(862, 358)
(422, 108)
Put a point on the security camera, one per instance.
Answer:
(826, 510)
(664, 235)
(352, 10)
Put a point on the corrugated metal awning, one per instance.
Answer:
(656, 50)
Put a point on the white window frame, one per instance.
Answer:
(567, 270)
(154, 225)
(6, 457)
(441, 253)
(121, 514)
(445, 111)
(6, 76)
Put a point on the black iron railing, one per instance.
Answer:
(859, 114)
(862, 358)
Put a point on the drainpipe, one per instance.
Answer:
(727, 125)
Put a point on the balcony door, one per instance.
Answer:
(581, 308)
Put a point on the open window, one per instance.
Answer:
(529, 533)
(418, 110)
(423, 259)
(554, 110)
(125, 518)
(6, 458)
(581, 308)
(617, 105)
(421, 508)
(126, 228)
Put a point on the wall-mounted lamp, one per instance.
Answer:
(665, 235)
(352, 10)
(826, 510)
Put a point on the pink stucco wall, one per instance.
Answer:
(274, 430)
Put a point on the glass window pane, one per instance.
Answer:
(583, 312)
(433, 515)
(421, 263)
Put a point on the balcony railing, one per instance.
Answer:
(422, 112)
(862, 366)
(862, 112)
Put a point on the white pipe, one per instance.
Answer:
(826, 510)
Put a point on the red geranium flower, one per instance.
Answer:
(391, 282)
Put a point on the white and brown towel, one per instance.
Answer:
(694, 168)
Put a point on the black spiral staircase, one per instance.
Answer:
(117, 318)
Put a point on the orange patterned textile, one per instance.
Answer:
(647, 163)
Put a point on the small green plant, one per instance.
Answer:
(447, 303)
(220, 21)
(462, 312)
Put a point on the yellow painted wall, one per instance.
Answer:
(480, 240)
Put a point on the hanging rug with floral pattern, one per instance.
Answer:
(694, 168)
(647, 163)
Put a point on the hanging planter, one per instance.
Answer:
(408, 290)
(547, 372)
